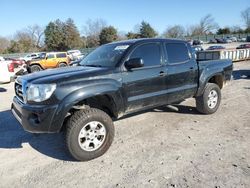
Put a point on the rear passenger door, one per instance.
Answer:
(181, 72)
(143, 86)
(61, 58)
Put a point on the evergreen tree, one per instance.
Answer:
(146, 31)
(131, 35)
(72, 37)
(108, 34)
(54, 36)
(60, 36)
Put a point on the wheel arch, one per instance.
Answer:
(216, 78)
(109, 101)
(61, 63)
(32, 64)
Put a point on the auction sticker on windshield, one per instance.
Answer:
(122, 47)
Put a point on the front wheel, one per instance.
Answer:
(89, 134)
(35, 68)
(209, 101)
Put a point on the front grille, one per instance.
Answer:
(19, 91)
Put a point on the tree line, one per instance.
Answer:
(64, 35)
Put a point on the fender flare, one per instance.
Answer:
(28, 67)
(204, 80)
(84, 93)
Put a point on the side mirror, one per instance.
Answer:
(46, 57)
(134, 63)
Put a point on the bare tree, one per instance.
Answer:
(122, 35)
(176, 31)
(4, 44)
(25, 41)
(36, 32)
(246, 17)
(236, 29)
(194, 30)
(92, 30)
(205, 26)
(93, 27)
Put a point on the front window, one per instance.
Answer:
(42, 55)
(105, 56)
(149, 53)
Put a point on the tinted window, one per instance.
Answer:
(150, 53)
(177, 52)
(61, 55)
(50, 56)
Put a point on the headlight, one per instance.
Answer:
(40, 92)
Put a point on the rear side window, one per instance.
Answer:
(177, 52)
(61, 55)
(150, 53)
(50, 56)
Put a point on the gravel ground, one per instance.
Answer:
(164, 147)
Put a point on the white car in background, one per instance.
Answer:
(233, 39)
(6, 71)
(75, 55)
(242, 40)
(29, 57)
(9, 69)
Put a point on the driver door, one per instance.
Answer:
(50, 61)
(144, 86)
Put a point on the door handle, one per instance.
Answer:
(191, 68)
(162, 73)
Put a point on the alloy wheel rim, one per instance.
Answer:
(212, 99)
(92, 136)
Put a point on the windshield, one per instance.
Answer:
(105, 56)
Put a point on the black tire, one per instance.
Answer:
(35, 68)
(62, 65)
(202, 102)
(77, 122)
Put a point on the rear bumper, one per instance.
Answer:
(34, 119)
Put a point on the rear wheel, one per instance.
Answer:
(89, 134)
(35, 68)
(62, 65)
(209, 101)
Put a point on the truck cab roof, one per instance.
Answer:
(141, 40)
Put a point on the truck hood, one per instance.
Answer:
(64, 74)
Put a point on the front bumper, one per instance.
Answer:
(34, 119)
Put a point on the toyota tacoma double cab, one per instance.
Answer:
(115, 80)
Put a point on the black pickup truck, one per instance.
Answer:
(114, 80)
